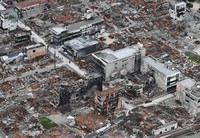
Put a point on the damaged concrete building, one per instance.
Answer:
(114, 63)
(80, 46)
(108, 100)
(177, 9)
(8, 19)
(73, 92)
(166, 76)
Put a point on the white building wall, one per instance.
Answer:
(115, 68)
(165, 128)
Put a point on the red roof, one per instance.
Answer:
(24, 4)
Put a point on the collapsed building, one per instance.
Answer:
(108, 100)
(60, 34)
(73, 91)
(177, 9)
(114, 63)
(165, 75)
(8, 19)
(80, 46)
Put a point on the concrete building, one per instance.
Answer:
(22, 36)
(72, 92)
(27, 9)
(114, 63)
(177, 9)
(34, 51)
(165, 128)
(80, 46)
(192, 100)
(60, 34)
(187, 83)
(165, 75)
(107, 101)
(8, 19)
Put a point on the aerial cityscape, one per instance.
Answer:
(100, 69)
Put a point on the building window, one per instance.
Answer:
(187, 95)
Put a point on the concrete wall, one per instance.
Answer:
(36, 52)
(165, 128)
(127, 64)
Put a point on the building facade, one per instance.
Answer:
(177, 9)
(8, 19)
(34, 51)
(187, 83)
(81, 46)
(27, 9)
(165, 75)
(22, 36)
(107, 101)
(192, 100)
(114, 63)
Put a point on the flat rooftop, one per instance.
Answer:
(81, 42)
(28, 3)
(76, 26)
(161, 67)
(109, 55)
(189, 83)
(109, 91)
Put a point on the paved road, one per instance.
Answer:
(67, 61)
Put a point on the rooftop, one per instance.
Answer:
(81, 42)
(28, 3)
(109, 91)
(188, 82)
(109, 55)
(76, 26)
(161, 67)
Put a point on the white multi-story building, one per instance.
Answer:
(192, 100)
(177, 9)
(114, 63)
(8, 19)
(166, 77)
(187, 83)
